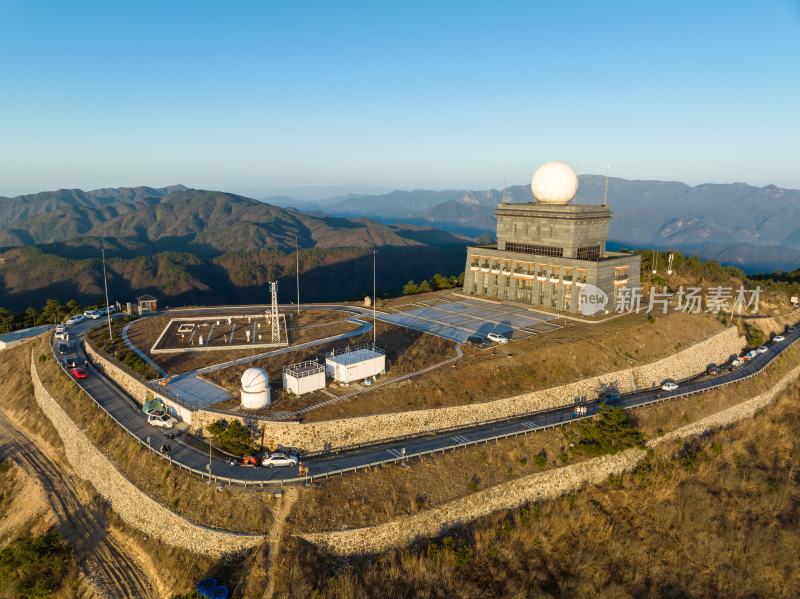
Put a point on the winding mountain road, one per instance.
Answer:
(127, 412)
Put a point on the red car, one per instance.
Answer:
(79, 372)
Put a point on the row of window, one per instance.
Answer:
(539, 250)
(589, 253)
(532, 269)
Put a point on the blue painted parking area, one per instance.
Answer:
(457, 320)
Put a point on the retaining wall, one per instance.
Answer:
(133, 386)
(544, 485)
(430, 523)
(333, 434)
(135, 507)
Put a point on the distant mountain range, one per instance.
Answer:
(756, 228)
(197, 246)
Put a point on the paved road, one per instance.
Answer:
(108, 566)
(126, 411)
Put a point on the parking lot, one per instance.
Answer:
(457, 320)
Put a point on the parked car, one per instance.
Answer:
(75, 319)
(736, 362)
(63, 349)
(790, 329)
(79, 372)
(107, 310)
(62, 335)
(162, 420)
(669, 386)
(60, 327)
(778, 338)
(712, 370)
(93, 314)
(279, 460)
(750, 355)
(477, 341)
(497, 338)
(71, 362)
(762, 350)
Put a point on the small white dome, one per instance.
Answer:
(255, 380)
(554, 183)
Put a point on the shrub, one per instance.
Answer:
(34, 567)
(232, 436)
(609, 431)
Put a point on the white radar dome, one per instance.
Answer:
(255, 380)
(554, 183)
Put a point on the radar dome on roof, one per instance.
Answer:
(554, 183)
(255, 380)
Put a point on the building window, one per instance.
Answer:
(539, 250)
(589, 253)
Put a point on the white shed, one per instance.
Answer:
(304, 377)
(355, 363)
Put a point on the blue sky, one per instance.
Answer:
(314, 98)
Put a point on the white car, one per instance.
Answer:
(497, 338)
(669, 386)
(736, 362)
(778, 338)
(278, 460)
(74, 319)
(162, 420)
(93, 314)
(61, 335)
(762, 350)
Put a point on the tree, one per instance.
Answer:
(232, 436)
(6, 319)
(424, 287)
(53, 311)
(73, 307)
(441, 282)
(410, 288)
(30, 317)
(610, 431)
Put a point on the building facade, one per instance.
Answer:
(548, 251)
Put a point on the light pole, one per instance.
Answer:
(105, 284)
(297, 271)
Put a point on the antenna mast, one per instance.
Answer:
(605, 193)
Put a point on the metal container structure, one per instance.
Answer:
(304, 377)
(355, 363)
(255, 389)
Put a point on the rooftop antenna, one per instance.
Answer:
(655, 262)
(605, 193)
(374, 330)
(505, 173)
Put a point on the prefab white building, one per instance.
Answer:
(304, 377)
(355, 363)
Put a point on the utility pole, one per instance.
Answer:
(105, 284)
(297, 271)
(374, 298)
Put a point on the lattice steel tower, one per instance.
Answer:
(272, 315)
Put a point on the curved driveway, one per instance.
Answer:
(193, 455)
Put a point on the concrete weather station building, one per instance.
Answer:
(550, 252)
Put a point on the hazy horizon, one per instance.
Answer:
(263, 98)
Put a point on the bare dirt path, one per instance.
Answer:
(276, 537)
(114, 574)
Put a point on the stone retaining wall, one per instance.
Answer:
(135, 507)
(314, 436)
(430, 523)
(544, 485)
(726, 417)
(133, 386)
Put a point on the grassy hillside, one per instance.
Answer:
(714, 516)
